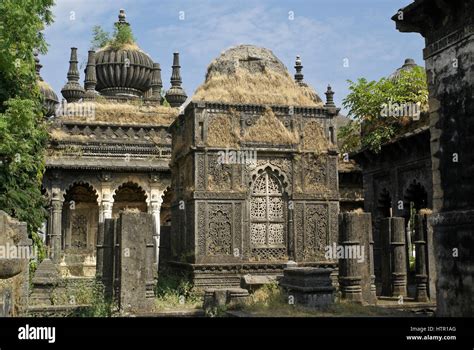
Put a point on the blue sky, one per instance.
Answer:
(326, 34)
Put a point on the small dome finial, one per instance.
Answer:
(299, 67)
(122, 18)
(329, 97)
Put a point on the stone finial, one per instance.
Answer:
(90, 80)
(73, 91)
(38, 65)
(122, 18)
(156, 82)
(329, 97)
(409, 62)
(299, 67)
(176, 96)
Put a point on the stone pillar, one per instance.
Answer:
(103, 239)
(134, 235)
(154, 208)
(356, 272)
(56, 232)
(393, 233)
(420, 260)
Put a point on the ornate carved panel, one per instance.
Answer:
(316, 233)
(314, 172)
(238, 227)
(79, 227)
(201, 220)
(298, 217)
(201, 172)
(219, 175)
(332, 173)
(219, 235)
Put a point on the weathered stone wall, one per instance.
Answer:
(448, 29)
(14, 266)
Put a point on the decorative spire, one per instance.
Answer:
(156, 83)
(176, 95)
(73, 91)
(299, 68)
(122, 18)
(329, 97)
(90, 80)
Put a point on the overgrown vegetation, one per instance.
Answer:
(365, 104)
(270, 301)
(23, 135)
(174, 291)
(40, 251)
(121, 36)
(268, 88)
(84, 292)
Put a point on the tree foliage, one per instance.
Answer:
(23, 135)
(366, 101)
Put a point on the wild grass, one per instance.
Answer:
(268, 88)
(174, 291)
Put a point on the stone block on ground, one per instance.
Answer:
(309, 287)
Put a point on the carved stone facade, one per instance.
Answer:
(282, 205)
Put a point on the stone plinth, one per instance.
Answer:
(224, 297)
(310, 287)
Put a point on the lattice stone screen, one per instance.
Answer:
(268, 227)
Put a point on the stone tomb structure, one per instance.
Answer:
(254, 172)
(109, 149)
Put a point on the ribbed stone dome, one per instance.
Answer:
(50, 99)
(127, 70)
(123, 70)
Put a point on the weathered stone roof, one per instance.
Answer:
(251, 74)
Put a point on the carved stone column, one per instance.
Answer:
(56, 231)
(393, 229)
(155, 209)
(420, 260)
